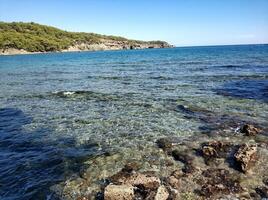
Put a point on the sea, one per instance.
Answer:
(60, 110)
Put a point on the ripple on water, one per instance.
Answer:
(249, 89)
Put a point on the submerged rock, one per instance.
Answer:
(215, 149)
(182, 157)
(262, 191)
(265, 181)
(119, 192)
(186, 159)
(250, 130)
(164, 143)
(246, 156)
(218, 182)
(130, 167)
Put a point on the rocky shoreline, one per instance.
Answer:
(103, 46)
(229, 160)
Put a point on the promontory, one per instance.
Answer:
(24, 38)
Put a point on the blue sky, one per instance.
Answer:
(180, 22)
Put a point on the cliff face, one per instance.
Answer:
(116, 45)
(24, 38)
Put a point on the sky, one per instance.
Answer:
(179, 22)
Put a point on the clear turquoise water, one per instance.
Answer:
(59, 110)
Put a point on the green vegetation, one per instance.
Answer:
(34, 37)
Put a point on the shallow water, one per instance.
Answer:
(58, 111)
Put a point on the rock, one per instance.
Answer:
(249, 130)
(83, 198)
(262, 191)
(186, 159)
(265, 181)
(182, 157)
(164, 143)
(209, 152)
(219, 181)
(215, 149)
(177, 174)
(162, 193)
(188, 169)
(254, 195)
(173, 182)
(146, 181)
(120, 177)
(119, 192)
(246, 156)
(130, 167)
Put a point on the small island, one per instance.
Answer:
(26, 38)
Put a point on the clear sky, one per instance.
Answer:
(180, 22)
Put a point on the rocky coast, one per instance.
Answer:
(104, 45)
(228, 160)
(32, 38)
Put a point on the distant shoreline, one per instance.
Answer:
(31, 38)
(11, 52)
(14, 52)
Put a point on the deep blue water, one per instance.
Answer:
(59, 110)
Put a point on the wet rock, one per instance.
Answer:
(147, 181)
(219, 181)
(265, 181)
(164, 143)
(119, 177)
(212, 121)
(119, 192)
(84, 198)
(173, 182)
(186, 159)
(246, 157)
(177, 174)
(262, 191)
(182, 157)
(254, 195)
(209, 152)
(250, 130)
(125, 173)
(214, 150)
(130, 167)
(162, 193)
(189, 169)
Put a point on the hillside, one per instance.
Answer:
(19, 37)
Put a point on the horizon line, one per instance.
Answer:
(216, 45)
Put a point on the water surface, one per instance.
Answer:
(59, 110)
